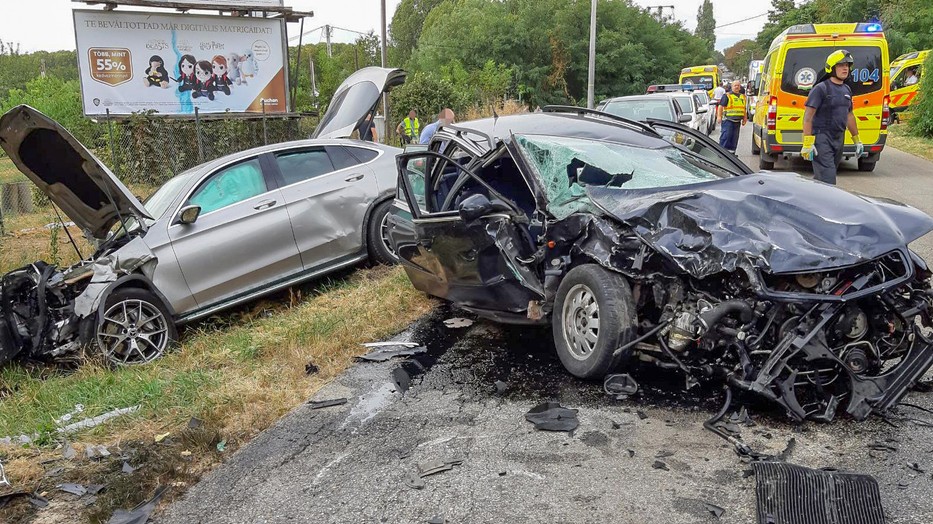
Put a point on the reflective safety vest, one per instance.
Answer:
(412, 127)
(736, 106)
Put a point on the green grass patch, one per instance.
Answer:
(8, 171)
(899, 138)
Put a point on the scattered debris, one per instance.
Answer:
(788, 449)
(75, 489)
(903, 484)
(551, 416)
(882, 446)
(222, 445)
(641, 414)
(741, 417)
(54, 472)
(500, 387)
(69, 452)
(714, 510)
(503, 473)
(195, 423)
(660, 465)
(437, 519)
(414, 481)
(621, 386)
(8, 497)
(916, 467)
(3, 479)
(127, 468)
(790, 493)
(92, 451)
(160, 438)
(79, 408)
(185, 453)
(616, 425)
(631, 452)
(94, 489)
(664, 454)
(432, 467)
(321, 404)
(390, 343)
(139, 514)
(98, 420)
(311, 369)
(458, 322)
(402, 379)
(382, 355)
(38, 500)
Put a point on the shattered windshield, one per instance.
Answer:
(566, 165)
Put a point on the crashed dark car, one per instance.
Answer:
(649, 241)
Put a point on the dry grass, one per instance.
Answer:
(502, 108)
(918, 146)
(238, 373)
(8, 171)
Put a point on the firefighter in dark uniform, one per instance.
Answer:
(827, 116)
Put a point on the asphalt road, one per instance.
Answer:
(353, 462)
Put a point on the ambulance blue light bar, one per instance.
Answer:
(870, 27)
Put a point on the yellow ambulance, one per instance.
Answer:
(906, 75)
(795, 63)
(706, 75)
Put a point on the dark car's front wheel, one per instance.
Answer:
(380, 248)
(594, 315)
(136, 328)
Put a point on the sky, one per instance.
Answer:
(47, 24)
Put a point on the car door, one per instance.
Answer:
(326, 192)
(241, 240)
(699, 144)
(471, 263)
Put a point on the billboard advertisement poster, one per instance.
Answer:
(174, 63)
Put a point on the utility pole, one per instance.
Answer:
(591, 74)
(313, 82)
(385, 98)
(327, 32)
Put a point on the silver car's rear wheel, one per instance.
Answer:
(135, 328)
(377, 236)
(384, 234)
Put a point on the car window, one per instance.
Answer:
(900, 76)
(340, 156)
(641, 109)
(414, 172)
(229, 186)
(303, 165)
(706, 80)
(803, 67)
(685, 103)
(566, 165)
(157, 204)
(361, 153)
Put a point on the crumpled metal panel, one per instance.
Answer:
(133, 256)
(783, 223)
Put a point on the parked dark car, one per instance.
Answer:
(650, 240)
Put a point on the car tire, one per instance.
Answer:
(763, 160)
(136, 328)
(755, 149)
(588, 293)
(377, 236)
(865, 165)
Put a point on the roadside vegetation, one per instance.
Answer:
(234, 374)
(900, 137)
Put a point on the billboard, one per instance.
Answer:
(174, 63)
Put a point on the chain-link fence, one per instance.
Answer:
(144, 151)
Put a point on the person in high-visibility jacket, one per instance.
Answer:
(732, 116)
(409, 128)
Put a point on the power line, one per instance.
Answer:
(743, 20)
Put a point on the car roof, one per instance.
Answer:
(650, 96)
(564, 124)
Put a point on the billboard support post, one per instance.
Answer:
(265, 136)
(197, 128)
(113, 155)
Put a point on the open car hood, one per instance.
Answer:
(356, 98)
(782, 223)
(71, 176)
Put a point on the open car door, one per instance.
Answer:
(699, 144)
(460, 239)
(355, 99)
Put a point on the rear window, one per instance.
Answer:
(803, 67)
(706, 80)
(641, 109)
(685, 103)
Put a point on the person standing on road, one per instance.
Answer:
(409, 128)
(444, 118)
(717, 95)
(827, 115)
(732, 116)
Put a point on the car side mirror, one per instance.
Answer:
(477, 206)
(683, 119)
(701, 110)
(189, 214)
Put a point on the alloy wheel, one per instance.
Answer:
(384, 236)
(580, 317)
(133, 331)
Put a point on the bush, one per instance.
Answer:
(921, 120)
(426, 93)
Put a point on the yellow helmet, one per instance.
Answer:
(837, 57)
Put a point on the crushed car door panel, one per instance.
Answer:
(241, 240)
(472, 262)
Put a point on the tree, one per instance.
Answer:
(407, 23)
(740, 54)
(921, 121)
(706, 24)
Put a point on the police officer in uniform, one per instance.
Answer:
(827, 116)
(410, 128)
(732, 115)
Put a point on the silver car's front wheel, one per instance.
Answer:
(135, 328)
(580, 316)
